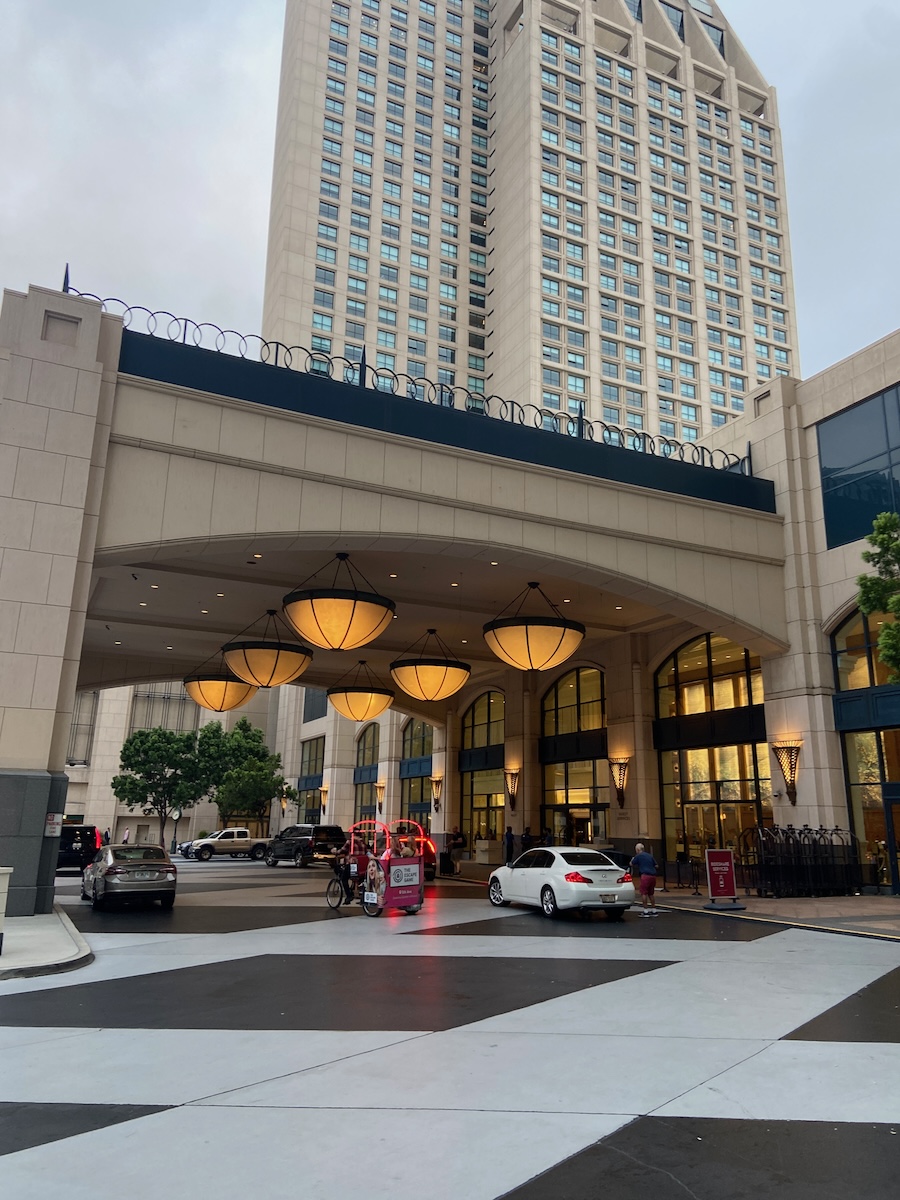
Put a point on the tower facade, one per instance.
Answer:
(574, 205)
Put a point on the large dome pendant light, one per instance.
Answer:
(269, 660)
(217, 688)
(338, 618)
(430, 678)
(362, 698)
(533, 643)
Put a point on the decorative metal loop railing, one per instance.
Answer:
(206, 335)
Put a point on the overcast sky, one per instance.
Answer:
(136, 143)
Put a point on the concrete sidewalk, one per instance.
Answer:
(864, 916)
(42, 945)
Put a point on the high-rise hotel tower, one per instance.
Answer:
(576, 204)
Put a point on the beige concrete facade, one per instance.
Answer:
(554, 203)
(199, 511)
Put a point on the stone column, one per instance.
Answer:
(58, 361)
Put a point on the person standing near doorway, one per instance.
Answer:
(456, 844)
(644, 866)
(509, 844)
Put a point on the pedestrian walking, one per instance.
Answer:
(125, 836)
(527, 839)
(509, 843)
(643, 865)
(106, 836)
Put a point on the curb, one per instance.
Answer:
(81, 958)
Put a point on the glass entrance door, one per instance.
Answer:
(716, 826)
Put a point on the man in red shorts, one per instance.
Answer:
(643, 866)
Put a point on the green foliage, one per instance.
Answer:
(164, 770)
(881, 592)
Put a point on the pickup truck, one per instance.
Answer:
(229, 841)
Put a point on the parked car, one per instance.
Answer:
(77, 846)
(186, 849)
(305, 844)
(230, 841)
(564, 877)
(129, 872)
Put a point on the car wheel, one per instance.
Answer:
(204, 854)
(299, 860)
(98, 903)
(615, 914)
(548, 902)
(258, 853)
(271, 860)
(371, 910)
(168, 901)
(84, 895)
(413, 909)
(495, 894)
(234, 856)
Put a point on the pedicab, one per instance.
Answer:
(390, 855)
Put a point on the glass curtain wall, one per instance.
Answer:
(483, 793)
(576, 792)
(871, 757)
(367, 751)
(415, 789)
(711, 794)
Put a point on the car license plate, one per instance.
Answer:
(145, 875)
(370, 897)
(608, 897)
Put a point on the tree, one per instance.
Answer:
(164, 773)
(881, 592)
(248, 790)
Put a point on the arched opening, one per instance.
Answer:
(365, 774)
(483, 796)
(710, 732)
(869, 726)
(574, 758)
(415, 772)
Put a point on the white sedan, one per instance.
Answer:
(560, 877)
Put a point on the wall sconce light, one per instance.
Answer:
(379, 795)
(437, 786)
(512, 785)
(788, 755)
(618, 769)
(323, 791)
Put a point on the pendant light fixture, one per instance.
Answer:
(361, 698)
(338, 617)
(217, 688)
(269, 660)
(533, 643)
(430, 677)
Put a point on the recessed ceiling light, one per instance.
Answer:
(155, 586)
(494, 564)
(204, 610)
(143, 604)
(170, 647)
(220, 594)
(618, 608)
(117, 643)
(257, 556)
(454, 585)
(567, 601)
(395, 616)
(392, 576)
(465, 641)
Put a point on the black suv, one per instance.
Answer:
(77, 846)
(303, 844)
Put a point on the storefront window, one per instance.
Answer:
(415, 801)
(483, 805)
(712, 796)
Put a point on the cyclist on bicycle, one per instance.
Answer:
(353, 853)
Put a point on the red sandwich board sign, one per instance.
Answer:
(720, 878)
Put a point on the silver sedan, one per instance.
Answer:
(129, 872)
(561, 877)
